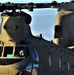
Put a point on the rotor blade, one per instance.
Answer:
(54, 4)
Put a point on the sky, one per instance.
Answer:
(32, 1)
(42, 19)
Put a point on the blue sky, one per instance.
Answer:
(42, 19)
(32, 0)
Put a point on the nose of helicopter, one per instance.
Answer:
(15, 26)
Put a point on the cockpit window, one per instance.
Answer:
(8, 52)
(21, 52)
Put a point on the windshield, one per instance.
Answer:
(42, 19)
(19, 51)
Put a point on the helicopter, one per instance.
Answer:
(19, 49)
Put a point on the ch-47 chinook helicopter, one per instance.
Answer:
(19, 48)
